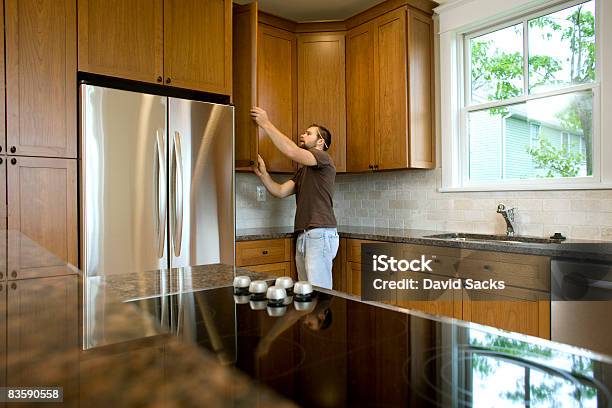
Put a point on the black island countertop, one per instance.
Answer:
(577, 249)
(181, 338)
(337, 351)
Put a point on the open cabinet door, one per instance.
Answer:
(245, 83)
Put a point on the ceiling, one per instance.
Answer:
(303, 11)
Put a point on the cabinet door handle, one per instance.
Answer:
(486, 268)
(13, 286)
(370, 166)
(1, 275)
(160, 79)
(13, 161)
(375, 166)
(14, 274)
(168, 80)
(265, 252)
(0, 149)
(13, 149)
(1, 161)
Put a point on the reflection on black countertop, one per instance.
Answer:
(337, 351)
(578, 249)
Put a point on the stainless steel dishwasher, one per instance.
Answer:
(581, 304)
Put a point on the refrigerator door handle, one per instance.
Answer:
(160, 157)
(178, 194)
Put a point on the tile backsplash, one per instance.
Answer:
(409, 199)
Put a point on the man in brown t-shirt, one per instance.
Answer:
(313, 186)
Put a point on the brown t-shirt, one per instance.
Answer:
(314, 192)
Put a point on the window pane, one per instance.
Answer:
(503, 146)
(497, 65)
(562, 48)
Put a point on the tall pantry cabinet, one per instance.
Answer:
(40, 150)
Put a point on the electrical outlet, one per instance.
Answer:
(261, 193)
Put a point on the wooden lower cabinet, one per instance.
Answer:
(51, 303)
(522, 307)
(339, 281)
(353, 278)
(42, 206)
(524, 311)
(3, 290)
(271, 256)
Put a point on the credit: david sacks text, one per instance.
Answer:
(437, 284)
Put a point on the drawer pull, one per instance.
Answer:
(435, 259)
(265, 252)
(486, 268)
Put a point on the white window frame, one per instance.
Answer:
(455, 90)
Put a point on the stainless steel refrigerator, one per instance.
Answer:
(157, 182)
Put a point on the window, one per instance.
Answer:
(529, 100)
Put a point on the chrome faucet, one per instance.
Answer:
(508, 214)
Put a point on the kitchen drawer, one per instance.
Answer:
(263, 252)
(275, 269)
(445, 260)
(524, 271)
(353, 249)
(442, 302)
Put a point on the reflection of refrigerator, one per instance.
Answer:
(157, 182)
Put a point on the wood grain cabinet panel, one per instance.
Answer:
(421, 91)
(198, 45)
(42, 205)
(322, 88)
(122, 38)
(3, 230)
(51, 303)
(360, 109)
(275, 269)
(3, 290)
(2, 88)
(41, 77)
(390, 90)
(353, 275)
(244, 56)
(518, 310)
(276, 90)
(390, 93)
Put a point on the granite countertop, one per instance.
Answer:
(147, 366)
(103, 348)
(579, 249)
(169, 281)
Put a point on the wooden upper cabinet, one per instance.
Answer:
(244, 55)
(360, 101)
(2, 89)
(198, 44)
(276, 91)
(122, 38)
(390, 93)
(421, 91)
(42, 208)
(390, 88)
(41, 77)
(321, 88)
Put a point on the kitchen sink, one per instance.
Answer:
(458, 236)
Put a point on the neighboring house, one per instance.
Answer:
(498, 144)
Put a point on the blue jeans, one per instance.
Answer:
(314, 254)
